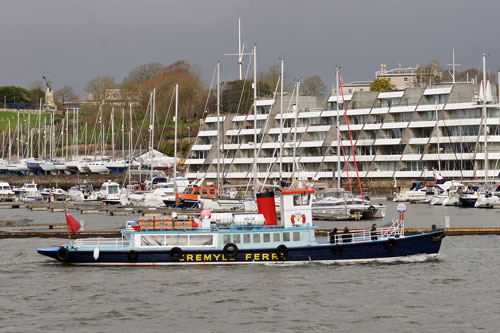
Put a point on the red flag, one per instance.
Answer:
(73, 224)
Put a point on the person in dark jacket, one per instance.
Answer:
(333, 236)
(373, 232)
(347, 236)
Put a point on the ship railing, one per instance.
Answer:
(108, 243)
(367, 235)
(397, 229)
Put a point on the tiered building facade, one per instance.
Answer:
(396, 134)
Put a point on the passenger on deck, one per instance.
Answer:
(347, 236)
(373, 232)
(333, 236)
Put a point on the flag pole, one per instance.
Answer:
(67, 224)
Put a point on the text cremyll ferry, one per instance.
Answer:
(229, 239)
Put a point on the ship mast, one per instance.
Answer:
(255, 118)
(339, 172)
(175, 139)
(218, 128)
(485, 123)
(281, 119)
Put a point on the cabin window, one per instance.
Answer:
(286, 237)
(267, 238)
(276, 237)
(246, 238)
(196, 192)
(226, 239)
(204, 191)
(256, 238)
(296, 236)
(152, 240)
(201, 240)
(237, 238)
(113, 189)
(176, 240)
(212, 191)
(301, 199)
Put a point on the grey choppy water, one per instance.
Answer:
(459, 292)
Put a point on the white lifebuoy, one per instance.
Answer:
(298, 218)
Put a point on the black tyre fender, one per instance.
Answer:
(176, 253)
(337, 250)
(282, 252)
(132, 256)
(62, 254)
(371, 208)
(230, 250)
(391, 244)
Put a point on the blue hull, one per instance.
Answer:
(424, 244)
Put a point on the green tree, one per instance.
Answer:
(237, 96)
(14, 94)
(36, 91)
(313, 86)
(381, 84)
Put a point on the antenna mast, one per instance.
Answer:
(240, 53)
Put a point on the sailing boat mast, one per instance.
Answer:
(67, 133)
(437, 135)
(152, 131)
(10, 145)
(281, 119)
(123, 132)
(175, 136)
(130, 145)
(28, 136)
(113, 130)
(339, 171)
(218, 128)
(485, 123)
(102, 135)
(18, 137)
(255, 119)
(39, 126)
(295, 125)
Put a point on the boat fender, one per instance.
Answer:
(337, 250)
(62, 254)
(282, 252)
(230, 250)
(132, 256)
(391, 244)
(96, 253)
(176, 253)
(438, 238)
(371, 208)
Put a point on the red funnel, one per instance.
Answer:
(265, 203)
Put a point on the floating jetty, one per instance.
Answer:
(51, 233)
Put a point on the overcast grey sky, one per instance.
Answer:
(72, 42)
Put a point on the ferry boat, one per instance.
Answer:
(244, 239)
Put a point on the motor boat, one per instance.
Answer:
(6, 193)
(82, 192)
(110, 193)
